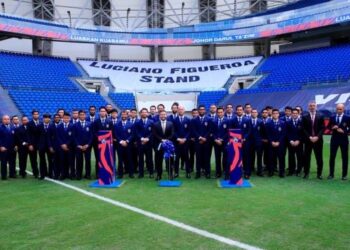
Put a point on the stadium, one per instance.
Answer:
(247, 101)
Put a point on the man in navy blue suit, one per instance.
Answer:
(243, 123)
(7, 146)
(101, 123)
(152, 111)
(162, 130)
(44, 148)
(339, 124)
(91, 117)
(23, 140)
(265, 142)
(65, 142)
(182, 130)
(143, 138)
(34, 131)
(220, 138)
(256, 145)
(133, 146)
(276, 132)
(192, 141)
(123, 134)
(83, 139)
(201, 128)
(229, 112)
(295, 140)
(54, 146)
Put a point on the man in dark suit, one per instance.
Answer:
(276, 132)
(192, 141)
(101, 123)
(83, 139)
(123, 134)
(220, 138)
(162, 130)
(15, 124)
(65, 142)
(313, 124)
(339, 124)
(143, 138)
(242, 122)
(201, 128)
(23, 140)
(295, 144)
(133, 146)
(256, 147)
(54, 146)
(153, 113)
(34, 131)
(92, 117)
(265, 141)
(7, 146)
(182, 131)
(44, 148)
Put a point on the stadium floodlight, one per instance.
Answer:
(70, 18)
(127, 18)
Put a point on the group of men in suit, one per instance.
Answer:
(65, 143)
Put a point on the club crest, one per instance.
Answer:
(87, 129)
(279, 129)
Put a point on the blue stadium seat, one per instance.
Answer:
(208, 98)
(20, 71)
(49, 101)
(123, 100)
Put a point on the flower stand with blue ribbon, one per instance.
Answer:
(169, 152)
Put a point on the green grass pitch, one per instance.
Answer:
(289, 213)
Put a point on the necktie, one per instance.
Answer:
(92, 118)
(254, 122)
(25, 127)
(338, 119)
(124, 124)
(8, 127)
(219, 122)
(65, 126)
(83, 124)
(163, 126)
(103, 121)
(46, 126)
(239, 120)
(202, 119)
(181, 119)
(295, 123)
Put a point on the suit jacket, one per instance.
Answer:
(98, 125)
(318, 126)
(276, 133)
(172, 117)
(143, 130)
(158, 134)
(23, 136)
(44, 140)
(201, 128)
(221, 131)
(82, 135)
(295, 132)
(257, 131)
(65, 136)
(245, 126)
(344, 124)
(182, 129)
(34, 131)
(7, 137)
(123, 133)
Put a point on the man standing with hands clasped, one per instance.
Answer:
(339, 125)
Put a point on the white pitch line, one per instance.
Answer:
(154, 216)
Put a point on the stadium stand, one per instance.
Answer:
(22, 71)
(211, 97)
(49, 101)
(123, 100)
(292, 71)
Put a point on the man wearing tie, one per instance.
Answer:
(174, 111)
(123, 134)
(162, 130)
(182, 129)
(7, 146)
(101, 123)
(295, 144)
(34, 131)
(23, 138)
(265, 141)
(152, 111)
(44, 148)
(65, 140)
(220, 137)
(229, 112)
(92, 117)
(276, 132)
(143, 133)
(313, 124)
(83, 139)
(256, 142)
(242, 122)
(54, 145)
(339, 125)
(192, 141)
(133, 146)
